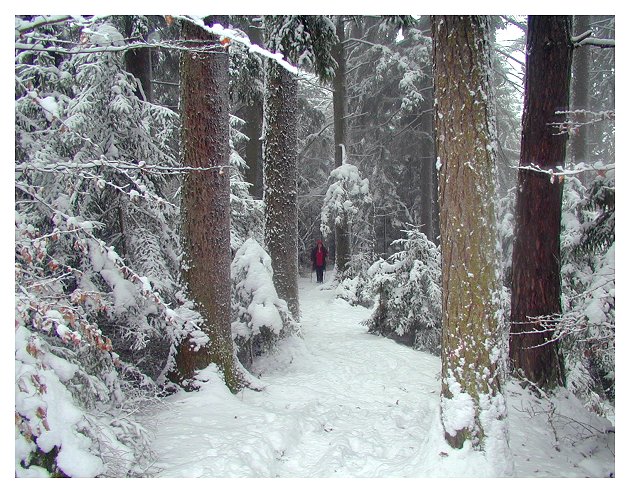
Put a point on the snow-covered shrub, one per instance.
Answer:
(74, 394)
(409, 297)
(346, 211)
(355, 286)
(346, 198)
(259, 317)
(587, 325)
(102, 158)
(99, 307)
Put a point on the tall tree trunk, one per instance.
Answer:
(581, 83)
(138, 61)
(342, 235)
(536, 253)
(428, 199)
(206, 204)
(253, 130)
(280, 181)
(339, 92)
(466, 149)
(427, 175)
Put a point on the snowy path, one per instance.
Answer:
(348, 405)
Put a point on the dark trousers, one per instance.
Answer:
(320, 273)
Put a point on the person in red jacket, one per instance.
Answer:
(318, 257)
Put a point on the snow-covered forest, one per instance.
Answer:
(173, 175)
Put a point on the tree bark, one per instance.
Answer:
(253, 130)
(466, 149)
(536, 254)
(339, 92)
(342, 235)
(206, 204)
(280, 181)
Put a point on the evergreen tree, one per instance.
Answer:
(98, 303)
(586, 329)
(390, 136)
(205, 204)
(466, 148)
(536, 253)
(308, 39)
(280, 181)
(408, 294)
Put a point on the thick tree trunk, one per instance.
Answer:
(138, 62)
(536, 254)
(280, 181)
(342, 235)
(466, 149)
(206, 204)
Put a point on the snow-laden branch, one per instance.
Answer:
(232, 35)
(118, 165)
(22, 27)
(175, 45)
(515, 22)
(559, 172)
(585, 39)
(559, 326)
(83, 231)
(589, 118)
(225, 35)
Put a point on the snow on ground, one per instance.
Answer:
(344, 403)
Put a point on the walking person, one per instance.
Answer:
(318, 258)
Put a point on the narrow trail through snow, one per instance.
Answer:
(349, 404)
(340, 402)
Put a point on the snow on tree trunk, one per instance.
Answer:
(342, 235)
(206, 204)
(536, 283)
(253, 130)
(472, 406)
(280, 181)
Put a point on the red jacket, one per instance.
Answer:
(318, 255)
